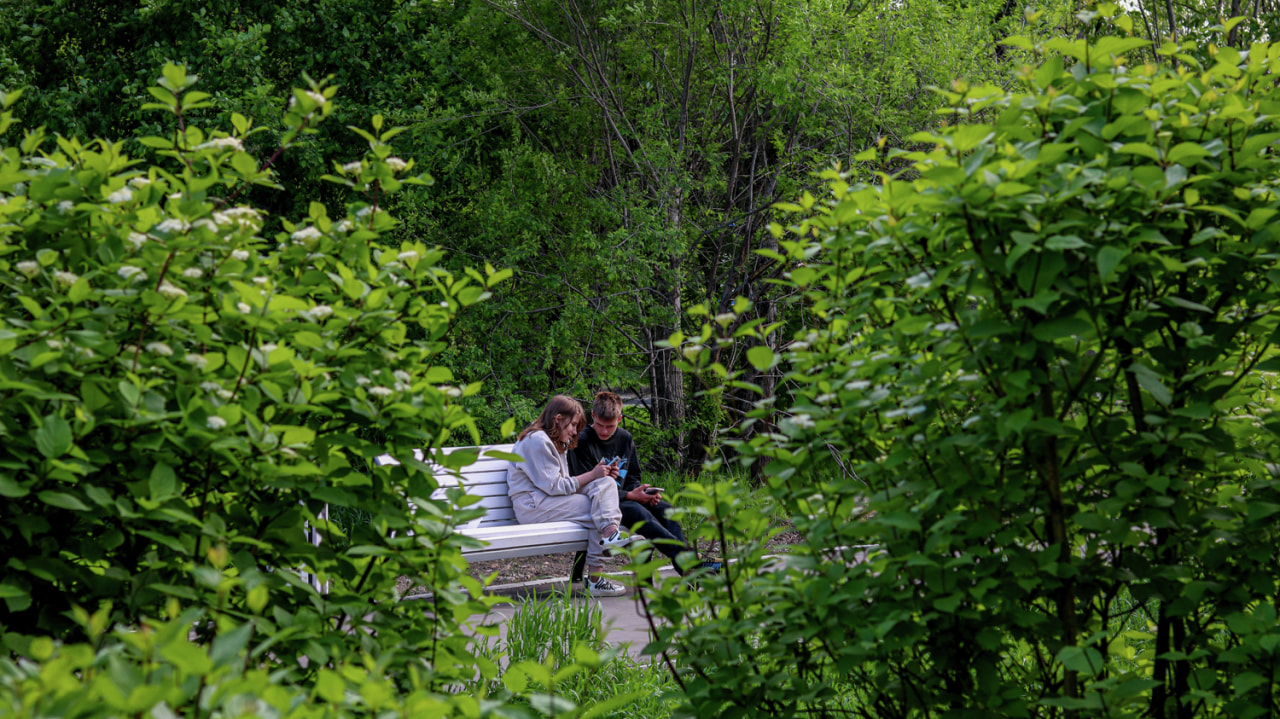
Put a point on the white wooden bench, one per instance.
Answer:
(504, 537)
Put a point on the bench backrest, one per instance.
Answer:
(486, 478)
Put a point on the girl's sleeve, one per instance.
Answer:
(545, 469)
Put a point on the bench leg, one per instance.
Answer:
(579, 567)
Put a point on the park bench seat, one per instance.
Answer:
(504, 537)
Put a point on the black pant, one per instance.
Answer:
(666, 534)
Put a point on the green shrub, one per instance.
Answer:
(185, 392)
(1037, 377)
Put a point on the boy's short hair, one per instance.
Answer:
(607, 406)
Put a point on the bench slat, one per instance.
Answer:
(486, 554)
(505, 537)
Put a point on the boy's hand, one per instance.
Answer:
(640, 495)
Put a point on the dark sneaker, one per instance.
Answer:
(711, 566)
(602, 587)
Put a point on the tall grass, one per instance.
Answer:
(548, 630)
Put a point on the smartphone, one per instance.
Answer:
(654, 490)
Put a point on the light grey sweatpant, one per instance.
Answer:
(595, 507)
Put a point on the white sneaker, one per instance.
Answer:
(616, 540)
(602, 587)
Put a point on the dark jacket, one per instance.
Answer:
(591, 449)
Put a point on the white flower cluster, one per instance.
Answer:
(193, 273)
(159, 348)
(63, 277)
(171, 291)
(905, 411)
(246, 218)
(241, 255)
(396, 164)
(129, 272)
(30, 268)
(351, 168)
(215, 422)
(307, 235)
(197, 360)
(139, 182)
(403, 380)
(222, 143)
(380, 391)
(317, 313)
(137, 239)
(123, 194)
(173, 225)
(344, 226)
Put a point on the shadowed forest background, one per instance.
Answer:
(622, 159)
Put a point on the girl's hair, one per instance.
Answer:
(559, 405)
(608, 406)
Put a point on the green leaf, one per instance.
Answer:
(617, 701)
(186, 657)
(761, 357)
(79, 290)
(228, 646)
(163, 482)
(1060, 328)
(9, 487)
(1151, 382)
(1065, 242)
(1085, 660)
(1140, 148)
(244, 164)
(1109, 258)
(330, 686)
(516, 680)
(53, 437)
(62, 500)
(1186, 151)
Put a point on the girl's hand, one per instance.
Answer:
(598, 471)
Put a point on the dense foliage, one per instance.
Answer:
(1037, 378)
(186, 393)
(622, 160)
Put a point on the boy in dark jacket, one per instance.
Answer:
(640, 503)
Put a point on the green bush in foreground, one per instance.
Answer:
(1038, 378)
(184, 392)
